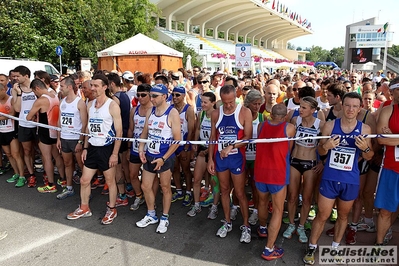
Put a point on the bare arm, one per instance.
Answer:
(37, 105)
(383, 127)
(211, 149)
(16, 100)
(190, 124)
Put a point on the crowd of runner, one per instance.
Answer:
(331, 170)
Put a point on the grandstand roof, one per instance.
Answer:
(254, 19)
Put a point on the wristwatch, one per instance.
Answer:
(367, 150)
(80, 142)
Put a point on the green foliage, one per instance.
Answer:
(394, 50)
(318, 54)
(290, 46)
(181, 47)
(34, 28)
(337, 55)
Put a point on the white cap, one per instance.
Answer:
(128, 75)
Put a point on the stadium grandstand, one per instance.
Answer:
(213, 28)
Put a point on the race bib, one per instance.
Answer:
(342, 158)
(397, 153)
(223, 145)
(95, 125)
(154, 147)
(67, 120)
(250, 151)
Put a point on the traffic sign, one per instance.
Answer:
(243, 54)
(58, 50)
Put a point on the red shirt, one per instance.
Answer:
(389, 161)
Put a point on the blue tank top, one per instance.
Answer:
(229, 128)
(341, 164)
(158, 129)
(296, 113)
(124, 104)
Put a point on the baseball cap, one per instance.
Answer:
(180, 89)
(218, 73)
(54, 77)
(128, 75)
(159, 88)
(175, 76)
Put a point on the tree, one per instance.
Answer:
(394, 50)
(180, 46)
(337, 55)
(317, 53)
(290, 46)
(34, 28)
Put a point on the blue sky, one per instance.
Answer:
(329, 19)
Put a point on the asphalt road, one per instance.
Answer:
(40, 234)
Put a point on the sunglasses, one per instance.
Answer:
(294, 89)
(142, 95)
(348, 88)
(176, 94)
(203, 82)
(154, 95)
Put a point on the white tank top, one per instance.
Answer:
(70, 119)
(183, 122)
(291, 105)
(139, 122)
(101, 124)
(159, 129)
(307, 132)
(205, 128)
(8, 124)
(27, 100)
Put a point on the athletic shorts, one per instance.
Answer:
(6, 138)
(250, 164)
(68, 145)
(234, 163)
(98, 157)
(302, 165)
(135, 159)
(123, 147)
(26, 134)
(364, 166)
(168, 165)
(387, 194)
(202, 148)
(334, 189)
(265, 188)
(44, 136)
(375, 167)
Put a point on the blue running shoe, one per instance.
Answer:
(272, 255)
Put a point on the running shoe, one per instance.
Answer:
(8, 166)
(76, 178)
(207, 202)
(233, 213)
(262, 231)
(312, 212)
(245, 234)
(62, 183)
(272, 255)
(204, 194)
(147, 220)
(270, 207)
(136, 204)
(330, 232)
(32, 181)
(99, 182)
(38, 161)
(2, 170)
(309, 257)
(251, 203)
(105, 190)
(21, 182)
(177, 196)
(302, 234)
(47, 189)
(334, 215)
(79, 213)
(388, 236)
(286, 220)
(121, 202)
(363, 226)
(188, 198)
(130, 191)
(253, 218)
(163, 225)
(224, 229)
(350, 236)
(213, 212)
(194, 210)
(13, 179)
(65, 194)
(109, 216)
(289, 231)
